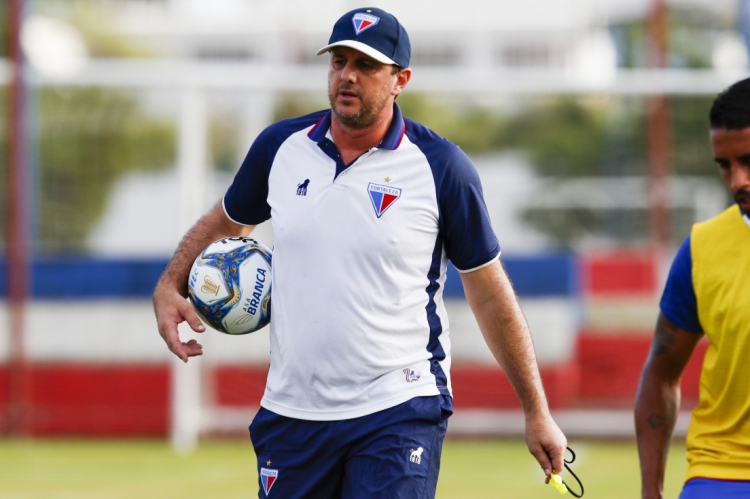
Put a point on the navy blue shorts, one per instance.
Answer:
(706, 488)
(394, 453)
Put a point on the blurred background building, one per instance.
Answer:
(587, 120)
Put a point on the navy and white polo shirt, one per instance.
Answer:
(360, 251)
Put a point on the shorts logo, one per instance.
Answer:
(382, 197)
(268, 478)
(416, 456)
(412, 375)
(364, 21)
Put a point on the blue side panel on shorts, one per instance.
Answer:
(465, 225)
(246, 201)
(433, 319)
(706, 488)
(678, 302)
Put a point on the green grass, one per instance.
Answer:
(504, 468)
(92, 469)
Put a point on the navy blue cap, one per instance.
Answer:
(373, 32)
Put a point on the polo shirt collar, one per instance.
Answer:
(391, 141)
(395, 132)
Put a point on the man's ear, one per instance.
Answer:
(402, 79)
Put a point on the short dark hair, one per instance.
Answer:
(731, 108)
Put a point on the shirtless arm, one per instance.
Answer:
(658, 401)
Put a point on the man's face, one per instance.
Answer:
(359, 87)
(732, 154)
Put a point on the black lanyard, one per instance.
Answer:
(574, 475)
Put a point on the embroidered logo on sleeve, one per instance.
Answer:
(268, 478)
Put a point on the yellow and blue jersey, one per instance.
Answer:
(708, 291)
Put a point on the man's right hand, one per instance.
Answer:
(171, 309)
(170, 304)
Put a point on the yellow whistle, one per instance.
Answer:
(557, 483)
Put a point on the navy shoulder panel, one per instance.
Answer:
(246, 200)
(465, 225)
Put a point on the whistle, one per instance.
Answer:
(556, 481)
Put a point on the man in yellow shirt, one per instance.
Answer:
(707, 292)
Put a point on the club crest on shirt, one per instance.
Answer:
(364, 21)
(412, 375)
(382, 197)
(268, 478)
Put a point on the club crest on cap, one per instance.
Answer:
(363, 21)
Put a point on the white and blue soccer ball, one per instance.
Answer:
(230, 285)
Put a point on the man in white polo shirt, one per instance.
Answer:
(367, 208)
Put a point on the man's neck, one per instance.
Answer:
(351, 143)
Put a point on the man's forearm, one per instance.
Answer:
(493, 301)
(208, 229)
(656, 410)
(510, 342)
(658, 400)
(505, 330)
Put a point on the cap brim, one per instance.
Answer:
(365, 49)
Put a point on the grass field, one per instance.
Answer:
(92, 469)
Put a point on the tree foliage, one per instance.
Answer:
(473, 128)
(85, 140)
(561, 137)
(4, 39)
(88, 138)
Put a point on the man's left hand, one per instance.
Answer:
(546, 443)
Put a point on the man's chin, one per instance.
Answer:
(346, 115)
(346, 111)
(350, 119)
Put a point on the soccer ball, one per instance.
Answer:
(230, 285)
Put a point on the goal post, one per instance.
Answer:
(193, 410)
(192, 160)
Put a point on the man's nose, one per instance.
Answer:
(740, 177)
(349, 73)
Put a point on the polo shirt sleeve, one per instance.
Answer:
(469, 240)
(678, 302)
(246, 200)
